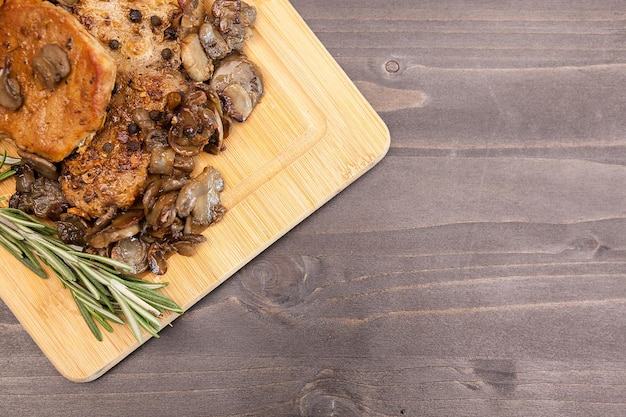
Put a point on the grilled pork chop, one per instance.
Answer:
(55, 79)
(113, 171)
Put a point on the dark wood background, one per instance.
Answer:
(478, 270)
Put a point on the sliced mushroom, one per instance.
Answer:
(141, 117)
(51, 65)
(228, 19)
(184, 163)
(186, 244)
(41, 165)
(24, 178)
(150, 194)
(163, 213)
(133, 252)
(156, 259)
(199, 200)
(127, 218)
(44, 199)
(10, 92)
(214, 45)
(247, 14)
(236, 101)
(162, 160)
(191, 129)
(238, 83)
(198, 66)
(216, 143)
(191, 17)
(173, 183)
(112, 234)
(45, 72)
(103, 221)
(72, 229)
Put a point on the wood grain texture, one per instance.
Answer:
(477, 270)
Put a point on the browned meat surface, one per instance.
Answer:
(111, 172)
(114, 169)
(52, 116)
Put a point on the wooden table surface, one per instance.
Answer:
(478, 270)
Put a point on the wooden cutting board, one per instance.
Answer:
(311, 136)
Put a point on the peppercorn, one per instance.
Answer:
(133, 128)
(155, 21)
(166, 54)
(114, 44)
(133, 145)
(135, 16)
(170, 33)
(155, 115)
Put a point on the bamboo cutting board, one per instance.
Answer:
(311, 136)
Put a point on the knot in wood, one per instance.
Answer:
(392, 66)
(275, 281)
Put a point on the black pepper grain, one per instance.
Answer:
(170, 33)
(133, 146)
(135, 16)
(133, 128)
(107, 147)
(155, 21)
(155, 115)
(114, 44)
(166, 54)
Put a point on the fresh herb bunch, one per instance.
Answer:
(101, 292)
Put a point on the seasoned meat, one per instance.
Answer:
(112, 172)
(165, 52)
(58, 76)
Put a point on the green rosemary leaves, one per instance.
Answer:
(101, 292)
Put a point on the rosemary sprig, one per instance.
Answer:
(101, 292)
(7, 159)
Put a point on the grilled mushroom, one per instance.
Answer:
(132, 251)
(238, 84)
(41, 165)
(211, 40)
(10, 92)
(198, 66)
(51, 65)
(199, 200)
